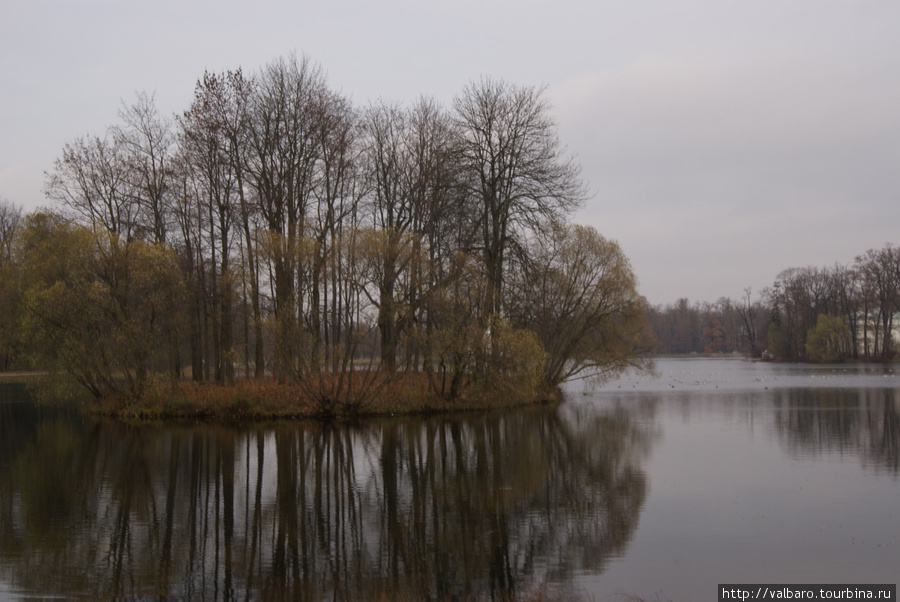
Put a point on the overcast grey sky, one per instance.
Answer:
(723, 140)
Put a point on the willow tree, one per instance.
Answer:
(578, 293)
(122, 184)
(829, 340)
(94, 304)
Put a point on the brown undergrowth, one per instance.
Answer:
(264, 399)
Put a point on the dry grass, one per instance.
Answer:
(245, 400)
(252, 399)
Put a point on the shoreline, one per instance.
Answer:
(251, 400)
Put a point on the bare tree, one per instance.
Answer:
(879, 270)
(206, 145)
(10, 289)
(10, 215)
(846, 283)
(282, 155)
(236, 122)
(410, 178)
(148, 142)
(336, 366)
(442, 222)
(515, 169)
(751, 312)
(191, 221)
(219, 122)
(91, 179)
(388, 163)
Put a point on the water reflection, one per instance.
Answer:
(857, 422)
(439, 507)
(758, 479)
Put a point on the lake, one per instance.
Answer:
(716, 471)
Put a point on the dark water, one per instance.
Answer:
(718, 471)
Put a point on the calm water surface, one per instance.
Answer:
(716, 471)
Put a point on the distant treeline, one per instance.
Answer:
(275, 230)
(818, 314)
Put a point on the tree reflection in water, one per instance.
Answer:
(863, 422)
(426, 507)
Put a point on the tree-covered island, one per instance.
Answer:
(276, 250)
